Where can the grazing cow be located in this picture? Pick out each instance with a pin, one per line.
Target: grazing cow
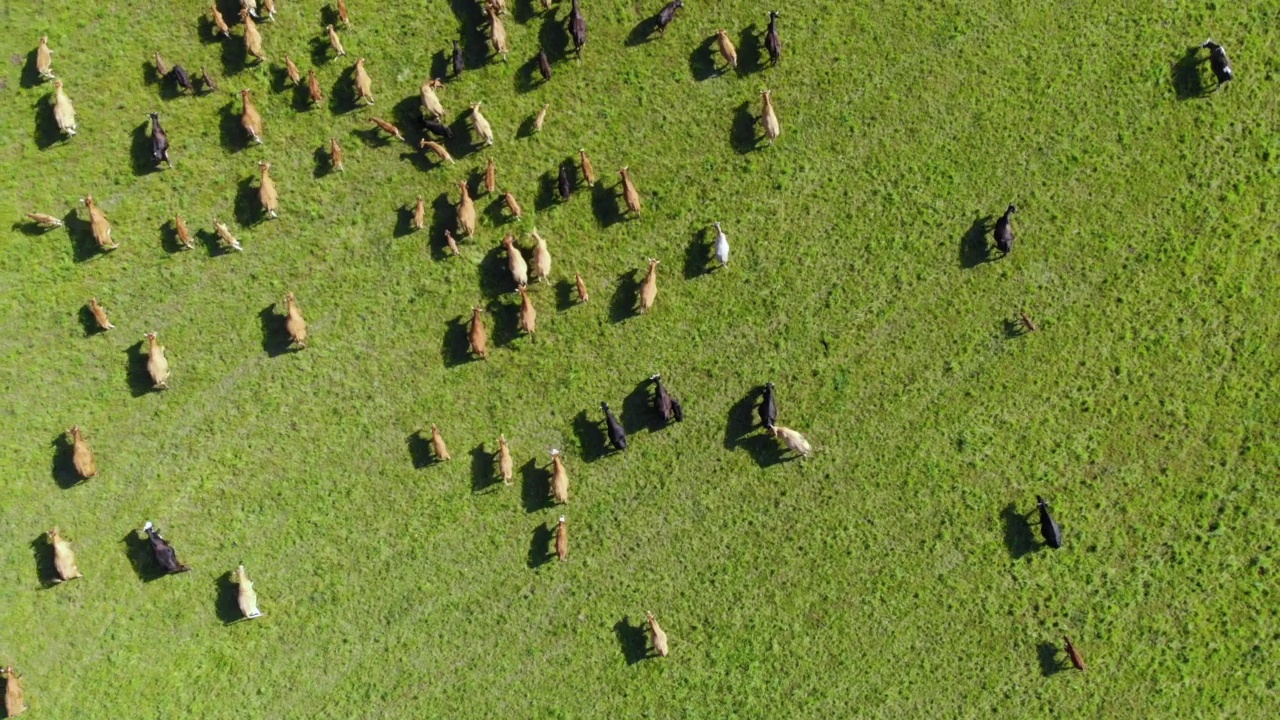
(722, 246)
(1077, 660)
(727, 50)
(44, 59)
(577, 28)
(544, 64)
(466, 212)
(439, 129)
(182, 78)
(313, 87)
(387, 128)
(209, 84)
(629, 192)
(559, 478)
(794, 440)
(582, 287)
(772, 42)
(99, 225)
(1219, 62)
(649, 290)
(458, 65)
(769, 118)
(665, 403)
(477, 339)
(335, 154)
(617, 435)
(184, 235)
(294, 323)
(546, 4)
(490, 177)
(219, 23)
(267, 190)
(451, 242)
(588, 172)
(291, 69)
(100, 315)
(499, 6)
(512, 205)
(159, 141)
(270, 7)
(497, 33)
(81, 456)
(246, 597)
(63, 112)
(45, 221)
(252, 38)
(249, 6)
(163, 552)
(419, 214)
(563, 182)
(250, 120)
(1004, 230)
(1048, 526)
(562, 540)
(334, 41)
(157, 365)
(655, 631)
(528, 316)
(342, 13)
(540, 118)
(768, 407)
(541, 257)
(1026, 323)
(431, 104)
(437, 444)
(224, 234)
(364, 86)
(162, 68)
(506, 467)
(14, 702)
(64, 560)
(667, 14)
(515, 262)
(483, 129)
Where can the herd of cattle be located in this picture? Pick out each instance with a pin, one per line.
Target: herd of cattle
(666, 405)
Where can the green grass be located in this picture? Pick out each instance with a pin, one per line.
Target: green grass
(881, 578)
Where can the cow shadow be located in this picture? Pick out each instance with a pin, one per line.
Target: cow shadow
(623, 303)
(1018, 537)
(506, 321)
(455, 350)
(697, 259)
(1188, 82)
(1047, 653)
(742, 136)
(741, 420)
(212, 243)
(232, 136)
(136, 374)
(227, 600)
(526, 76)
(548, 195)
(322, 162)
(535, 486)
(234, 56)
(320, 48)
(526, 129)
(638, 412)
(750, 57)
(404, 222)
(30, 75)
(46, 569)
(374, 137)
(441, 213)
(420, 450)
(63, 466)
(471, 18)
(440, 62)
(138, 550)
(564, 294)
(248, 210)
(553, 37)
(300, 98)
(407, 115)
(643, 32)
(765, 449)
(275, 332)
(540, 546)
(140, 150)
(342, 95)
(493, 275)
(329, 16)
(522, 10)
(702, 61)
(83, 246)
(974, 249)
(46, 133)
(1012, 329)
(632, 639)
(483, 477)
(591, 437)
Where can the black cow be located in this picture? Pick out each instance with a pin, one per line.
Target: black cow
(180, 76)
(544, 64)
(772, 42)
(768, 407)
(1004, 231)
(457, 59)
(1048, 528)
(577, 27)
(437, 128)
(667, 14)
(617, 435)
(1219, 62)
(565, 188)
(165, 557)
(159, 141)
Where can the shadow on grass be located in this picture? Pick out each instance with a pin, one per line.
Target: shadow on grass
(1047, 653)
(442, 213)
(1188, 82)
(404, 222)
(525, 76)
(138, 549)
(553, 36)
(643, 32)
(535, 486)
(625, 297)
(750, 59)
(1018, 538)
(493, 273)
(212, 243)
(702, 61)
(974, 249)
(275, 333)
(46, 132)
(565, 294)
(300, 97)
(231, 135)
(63, 467)
(1012, 329)
(638, 412)
(591, 439)
(227, 600)
(632, 639)
(319, 46)
(248, 209)
(740, 430)
(548, 195)
(540, 546)
(342, 96)
(420, 451)
(136, 374)
(482, 474)
(46, 570)
(697, 259)
(83, 246)
(234, 54)
(440, 64)
(323, 163)
(30, 75)
(522, 10)
(456, 348)
(506, 321)
(743, 134)
(140, 150)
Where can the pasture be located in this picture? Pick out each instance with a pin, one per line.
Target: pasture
(891, 575)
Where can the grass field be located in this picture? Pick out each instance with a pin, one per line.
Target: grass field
(888, 576)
